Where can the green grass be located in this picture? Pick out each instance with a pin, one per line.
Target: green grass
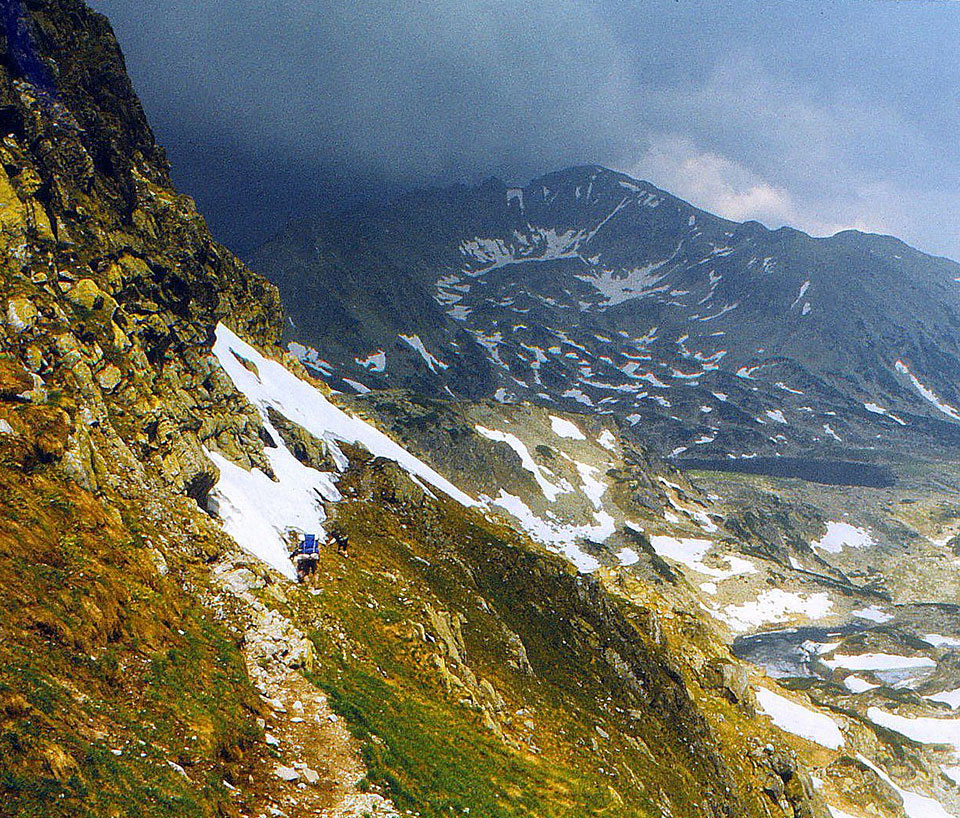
(99, 653)
(429, 748)
(438, 761)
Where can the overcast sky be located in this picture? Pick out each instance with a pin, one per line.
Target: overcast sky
(822, 115)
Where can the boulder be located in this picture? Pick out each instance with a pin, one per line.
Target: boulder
(286, 773)
(729, 678)
(21, 314)
(109, 377)
(87, 295)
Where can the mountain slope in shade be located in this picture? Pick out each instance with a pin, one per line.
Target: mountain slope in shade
(595, 292)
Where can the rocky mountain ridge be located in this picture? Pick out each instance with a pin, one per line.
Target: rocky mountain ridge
(591, 291)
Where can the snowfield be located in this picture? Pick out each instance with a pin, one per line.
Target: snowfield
(263, 515)
(259, 513)
(799, 720)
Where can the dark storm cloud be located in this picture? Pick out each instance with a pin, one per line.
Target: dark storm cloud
(822, 115)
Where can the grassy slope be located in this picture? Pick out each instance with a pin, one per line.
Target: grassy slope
(568, 743)
(100, 652)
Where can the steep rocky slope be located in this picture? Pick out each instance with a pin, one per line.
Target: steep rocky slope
(845, 595)
(158, 452)
(596, 292)
(115, 675)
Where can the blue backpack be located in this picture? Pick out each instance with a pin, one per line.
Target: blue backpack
(309, 544)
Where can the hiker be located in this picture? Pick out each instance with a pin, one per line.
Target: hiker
(340, 539)
(305, 559)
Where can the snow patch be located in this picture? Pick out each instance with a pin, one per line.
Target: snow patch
(873, 613)
(940, 641)
(557, 536)
(774, 606)
(876, 409)
(857, 685)
(799, 720)
(690, 552)
(803, 291)
(914, 804)
(356, 386)
(878, 661)
(923, 729)
(565, 428)
(840, 535)
(618, 286)
(951, 698)
(607, 440)
(550, 491)
(928, 394)
(835, 812)
(579, 396)
(414, 342)
(308, 356)
(953, 773)
(628, 556)
(375, 362)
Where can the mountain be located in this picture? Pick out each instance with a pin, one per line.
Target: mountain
(595, 292)
(533, 614)
(159, 454)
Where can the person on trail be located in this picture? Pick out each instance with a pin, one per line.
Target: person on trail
(305, 559)
(340, 539)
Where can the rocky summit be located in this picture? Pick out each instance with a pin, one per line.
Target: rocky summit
(520, 610)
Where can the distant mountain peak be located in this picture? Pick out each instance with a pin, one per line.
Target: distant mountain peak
(593, 291)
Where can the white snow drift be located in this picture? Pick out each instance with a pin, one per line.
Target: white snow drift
(799, 720)
(259, 512)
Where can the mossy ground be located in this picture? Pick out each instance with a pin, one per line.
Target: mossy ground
(109, 671)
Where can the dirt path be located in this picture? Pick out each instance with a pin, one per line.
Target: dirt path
(310, 764)
(317, 764)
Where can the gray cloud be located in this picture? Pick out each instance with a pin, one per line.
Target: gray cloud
(796, 112)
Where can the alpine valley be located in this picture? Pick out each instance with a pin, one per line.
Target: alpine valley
(538, 612)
